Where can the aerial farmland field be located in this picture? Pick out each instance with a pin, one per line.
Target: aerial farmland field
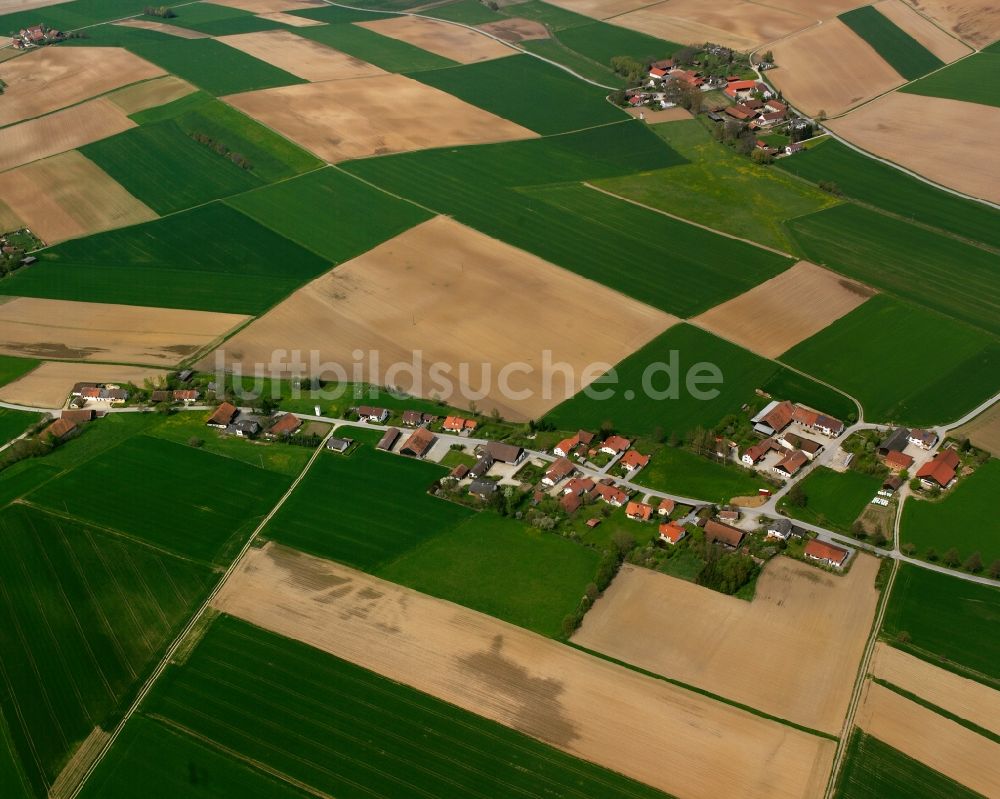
(178, 498)
(907, 56)
(82, 614)
(968, 80)
(392, 55)
(834, 499)
(13, 423)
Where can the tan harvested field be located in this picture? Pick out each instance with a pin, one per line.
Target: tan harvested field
(92, 331)
(61, 131)
(966, 698)
(983, 431)
(49, 385)
(818, 9)
(804, 628)
(446, 290)
(932, 739)
(949, 141)
(830, 68)
(301, 57)
(776, 315)
(601, 9)
(51, 78)
(446, 40)
(151, 93)
(8, 219)
(268, 6)
(290, 19)
(738, 24)
(939, 42)
(644, 728)
(663, 115)
(163, 27)
(975, 21)
(516, 29)
(68, 195)
(355, 118)
(10, 6)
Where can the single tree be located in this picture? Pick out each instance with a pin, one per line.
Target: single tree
(994, 570)
(951, 557)
(974, 563)
(931, 554)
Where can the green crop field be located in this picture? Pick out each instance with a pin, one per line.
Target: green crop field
(553, 17)
(742, 373)
(527, 91)
(271, 157)
(972, 79)
(468, 12)
(869, 181)
(833, 499)
(947, 621)
(340, 730)
(167, 169)
(13, 423)
(721, 189)
(208, 258)
(902, 362)
(341, 14)
(554, 50)
(904, 53)
(905, 259)
(960, 520)
(601, 42)
(501, 567)
(173, 496)
(154, 760)
(874, 770)
(82, 615)
(364, 509)
(679, 471)
(213, 66)
(217, 20)
(331, 213)
(70, 15)
(392, 55)
(12, 368)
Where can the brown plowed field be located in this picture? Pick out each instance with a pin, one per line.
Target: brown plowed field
(150, 94)
(935, 741)
(830, 68)
(516, 29)
(601, 9)
(804, 628)
(939, 42)
(92, 331)
(817, 9)
(51, 78)
(355, 118)
(662, 115)
(49, 385)
(983, 431)
(776, 315)
(64, 130)
(458, 297)
(301, 57)
(975, 21)
(290, 19)
(449, 41)
(163, 27)
(966, 698)
(68, 195)
(949, 141)
(670, 738)
(741, 25)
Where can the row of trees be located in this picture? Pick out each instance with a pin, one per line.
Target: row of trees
(221, 149)
(164, 12)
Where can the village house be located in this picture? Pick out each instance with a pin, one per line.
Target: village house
(160, 395)
(754, 454)
(898, 461)
(417, 418)
(570, 503)
(784, 529)
(284, 426)
(940, 470)
(615, 445)
(719, 533)
(484, 489)
(671, 533)
(388, 440)
(807, 445)
(419, 443)
(794, 147)
(459, 472)
(503, 453)
(223, 416)
(366, 413)
(609, 493)
(666, 507)
(925, 439)
(579, 486)
(826, 553)
(632, 460)
(244, 428)
(728, 515)
(340, 445)
(186, 395)
(558, 472)
(791, 464)
(481, 466)
(639, 511)
(745, 90)
(570, 445)
(813, 420)
(458, 424)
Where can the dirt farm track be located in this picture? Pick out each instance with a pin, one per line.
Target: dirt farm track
(644, 728)
(767, 653)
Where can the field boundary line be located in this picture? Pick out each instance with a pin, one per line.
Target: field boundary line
(192, 622)
(919, 700)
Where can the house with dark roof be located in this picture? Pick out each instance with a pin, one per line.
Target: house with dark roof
(896, 440)
(388, 440)
(484, 489)
(784, 529)
(419, 443)
(417, 418)
(503, 453)
(244, 428)
(368, 413)
(719, 533)
(340, 445)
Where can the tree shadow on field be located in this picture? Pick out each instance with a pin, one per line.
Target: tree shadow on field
(534, 701)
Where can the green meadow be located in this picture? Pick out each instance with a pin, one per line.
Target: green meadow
(881, 354)
(12, 368)
(947, 621)
(960, 520)
(13, 423)
(834, 499)
(468, 12)
(172, 496)
(83, 614)
(904, 53)
(678, 471)
(972, 80)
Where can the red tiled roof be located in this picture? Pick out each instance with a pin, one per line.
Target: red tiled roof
(941, 468)
(570, 502)
(617, 443)
(792, 462)
(672, 531)
(667, 506)
(821, 550)
(288, 423)
(898, 460)
(639, 510)
(60, 428)
(223, 414)
(579, 485)
(610, 493)
(780, 416)
(454, 423)
(560, 469)
(634, 460)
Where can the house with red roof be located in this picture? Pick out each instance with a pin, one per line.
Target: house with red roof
(791, 464)
(671, 533)
(633, 460)
(458, 424)
(666, 507)
(719, 533)
(639, 511)
(940, 470)
(579, 486)
(753, 454)
(826, 553)
(898, 461)
(285, 425)
(615, 445)
(611, 494)
(558, 471)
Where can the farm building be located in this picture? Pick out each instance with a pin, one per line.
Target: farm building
(459, 472)
(791, 464)
(284, 426)
(419, 443)
(340, 445)
(559, 471)
(571, 503)
(826, 553)
(898, 461)
(896, 440)
(244, 428)
(78, 415)
(60, 429)
(807, 445)
(940, 470)
(223, 416)
(388, 441)
(753, 454)
(671, 532)
(892, 483)
(503, 453)
(719, 533)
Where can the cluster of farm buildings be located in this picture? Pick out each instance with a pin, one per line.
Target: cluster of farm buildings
(36, 36)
